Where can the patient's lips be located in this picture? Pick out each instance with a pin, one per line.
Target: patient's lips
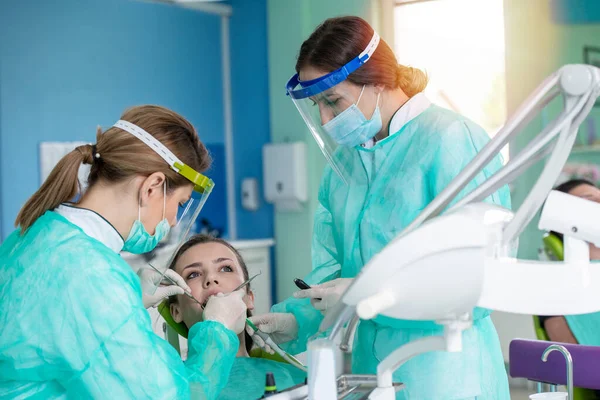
(211, 292)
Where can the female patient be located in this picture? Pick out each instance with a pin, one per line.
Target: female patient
(585, 328)
(211, 266)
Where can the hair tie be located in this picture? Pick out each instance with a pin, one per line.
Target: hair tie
(95, 153)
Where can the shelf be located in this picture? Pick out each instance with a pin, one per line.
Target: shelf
(585, 149)
(252, 243)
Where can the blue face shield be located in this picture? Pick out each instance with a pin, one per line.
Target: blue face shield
(329, 107)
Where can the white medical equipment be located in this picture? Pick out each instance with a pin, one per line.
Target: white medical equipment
(466, 257)
(284, 175)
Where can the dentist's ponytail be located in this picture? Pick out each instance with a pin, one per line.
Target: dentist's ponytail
(338, 40)
(61, 186)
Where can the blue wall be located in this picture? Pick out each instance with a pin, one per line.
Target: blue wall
(251, 122)
(68, 66)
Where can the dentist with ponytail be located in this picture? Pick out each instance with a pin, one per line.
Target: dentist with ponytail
(73, 313)
(390, 151)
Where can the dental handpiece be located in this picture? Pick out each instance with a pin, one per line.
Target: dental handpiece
(268, 341)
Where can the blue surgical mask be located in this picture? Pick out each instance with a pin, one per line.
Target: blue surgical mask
(139, 240)
(351, 128)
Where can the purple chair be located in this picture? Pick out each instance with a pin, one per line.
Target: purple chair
(526, 361)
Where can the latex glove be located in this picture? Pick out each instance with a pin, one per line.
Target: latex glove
(230, 310)
(281, 327)
(153, 295)
(324, 296)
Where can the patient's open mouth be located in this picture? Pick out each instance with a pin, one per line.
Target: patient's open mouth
(212, 292)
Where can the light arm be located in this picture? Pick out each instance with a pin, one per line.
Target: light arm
(578, 85)
(537, 99)
(462, 255)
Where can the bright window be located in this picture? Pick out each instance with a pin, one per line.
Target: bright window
(460, 44)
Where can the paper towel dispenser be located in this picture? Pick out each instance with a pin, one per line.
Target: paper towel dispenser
(285, 175)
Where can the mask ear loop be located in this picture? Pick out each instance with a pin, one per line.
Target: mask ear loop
(361, 93)
(360, 96)
(164, 198)
(140, 208)
(376, 104)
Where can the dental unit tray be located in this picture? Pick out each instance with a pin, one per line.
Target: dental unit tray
(348, 386)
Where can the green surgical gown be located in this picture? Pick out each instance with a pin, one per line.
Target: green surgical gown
(248, 377)
(73, 325)
(391, 183)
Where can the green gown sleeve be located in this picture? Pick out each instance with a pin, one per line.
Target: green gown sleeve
(326, 266)
(109, 340)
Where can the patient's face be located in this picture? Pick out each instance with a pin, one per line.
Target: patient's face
(208, 269)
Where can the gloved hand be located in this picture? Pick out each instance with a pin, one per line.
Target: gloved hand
(230, 310)
(153, 295)
(281, 327)
(324, 296)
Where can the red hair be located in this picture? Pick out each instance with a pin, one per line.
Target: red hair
(338, 40)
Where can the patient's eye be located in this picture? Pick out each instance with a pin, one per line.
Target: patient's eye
(193, 275)
(226, 268)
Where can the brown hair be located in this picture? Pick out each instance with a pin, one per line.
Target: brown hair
(338, 40)
(202, 239)
(118, 156)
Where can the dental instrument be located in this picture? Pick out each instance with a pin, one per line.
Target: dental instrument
(247, 281)
(268, 341)
(303, 286)
(188, 294)
(270, 386)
